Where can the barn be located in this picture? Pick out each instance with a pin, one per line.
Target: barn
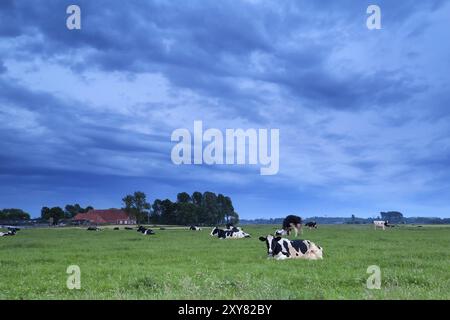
(109, 216)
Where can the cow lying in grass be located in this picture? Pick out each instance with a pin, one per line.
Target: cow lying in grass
(282, 248)
(145, 231)
(195, 228)
(9, 233)
(93, 229)
(235, 233)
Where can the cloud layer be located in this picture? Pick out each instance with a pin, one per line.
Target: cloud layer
(363, 115)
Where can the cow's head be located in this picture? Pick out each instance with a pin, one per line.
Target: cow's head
(141, 229)
(316, 251)
(273, 247)
(214, 231)
(280, 232)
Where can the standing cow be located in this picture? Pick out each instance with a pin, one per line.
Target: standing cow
(311, 225)
(292, 222)
(380, 224)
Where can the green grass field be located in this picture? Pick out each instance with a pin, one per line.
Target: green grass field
(182, 264)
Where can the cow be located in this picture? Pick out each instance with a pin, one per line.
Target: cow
(292, 222)
(116, 228)
(9, 233)
(93, 229)
(128, 228)
(282, 248)
(195, 228)
(145, 231)
(229, 234)
(380, 224)
(311, 225)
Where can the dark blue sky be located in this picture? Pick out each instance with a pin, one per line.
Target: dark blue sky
(364, 115)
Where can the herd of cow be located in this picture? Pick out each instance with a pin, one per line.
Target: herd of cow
(278, 247)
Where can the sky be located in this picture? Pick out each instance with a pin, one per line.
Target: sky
(364, 115)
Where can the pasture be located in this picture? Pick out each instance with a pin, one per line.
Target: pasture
(182, 264)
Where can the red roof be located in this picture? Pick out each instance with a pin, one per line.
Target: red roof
(103, 216)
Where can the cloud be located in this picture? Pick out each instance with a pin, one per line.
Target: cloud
(362, 114)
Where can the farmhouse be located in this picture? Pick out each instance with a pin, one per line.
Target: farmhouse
(110, 216)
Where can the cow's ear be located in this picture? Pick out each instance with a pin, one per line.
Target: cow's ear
(262, 239)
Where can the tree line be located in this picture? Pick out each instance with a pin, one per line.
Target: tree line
(13, 214)
(57, 213)
(199, 208)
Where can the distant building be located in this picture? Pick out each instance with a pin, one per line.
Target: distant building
(109, 216)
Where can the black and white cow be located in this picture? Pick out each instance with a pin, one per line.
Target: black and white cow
(292, 222)
(93, 229)
(229, 234)
(282, 248)
(116, 228)
(128, 228)
(311, 225)
(145, 231)
(195, 228)
(9, 233)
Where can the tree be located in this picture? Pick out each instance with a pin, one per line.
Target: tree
(221, 207)
(13, 214)
(234, 218)
(197, 198)
(45, 213)
(392, 216)
(155, 216)
(198, 209)
(72, 210)
(169, 213)
(136, 206)
(210, 214)
(53, 215)
(230, 215)
(186, 213)
(183, 197)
